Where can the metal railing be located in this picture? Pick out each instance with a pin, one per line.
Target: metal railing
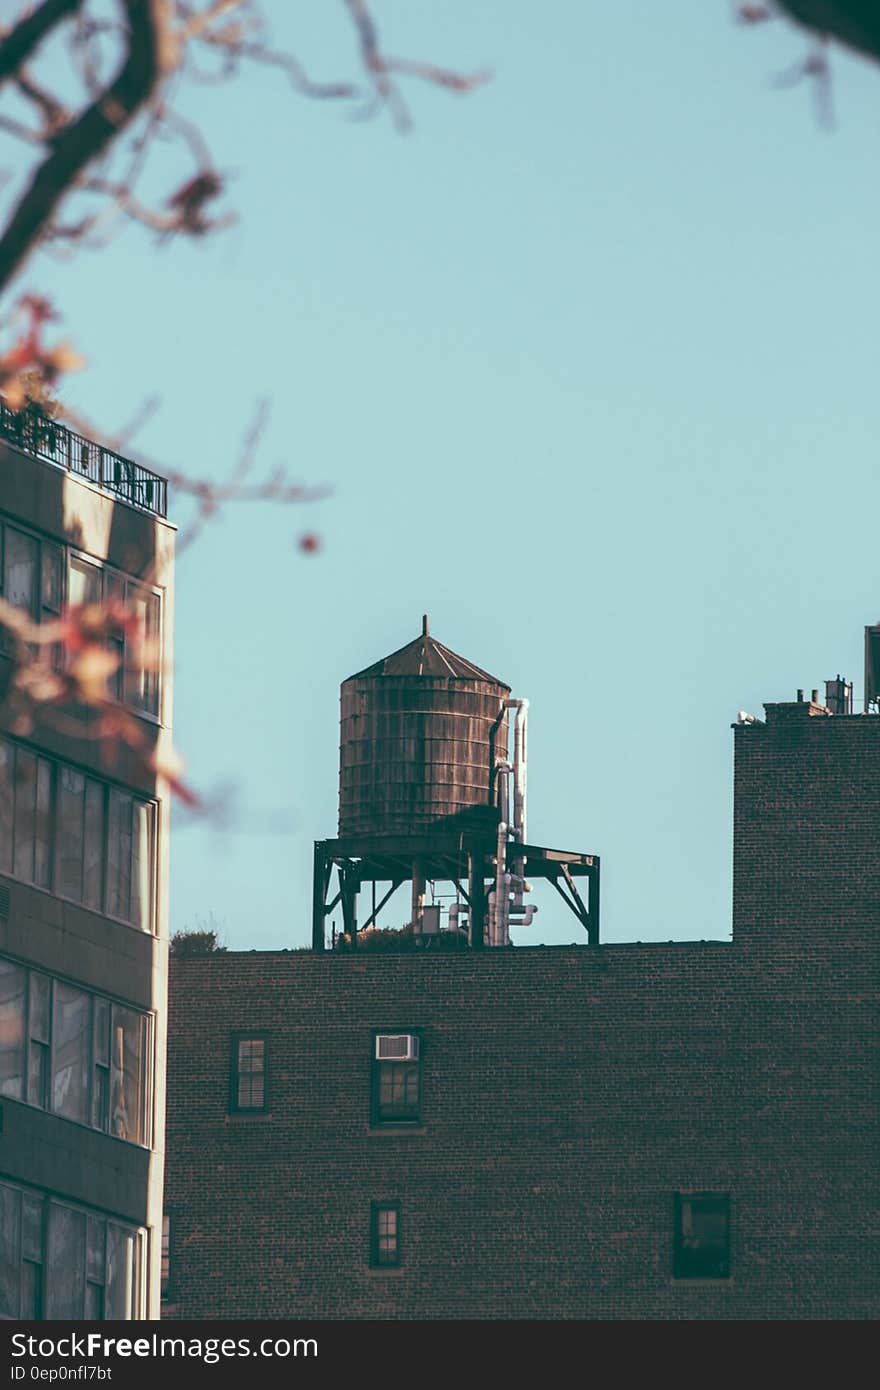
(47, 439)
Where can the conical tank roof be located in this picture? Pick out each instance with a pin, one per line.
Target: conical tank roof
(425, 656)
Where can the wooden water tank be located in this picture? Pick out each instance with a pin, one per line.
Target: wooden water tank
(419, 734)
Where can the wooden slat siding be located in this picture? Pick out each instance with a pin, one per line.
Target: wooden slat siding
(414, 749)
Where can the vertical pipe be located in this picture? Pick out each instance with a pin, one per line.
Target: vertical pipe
(498, 901)
(418, 896)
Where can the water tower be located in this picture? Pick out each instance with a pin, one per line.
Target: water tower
(430, 791)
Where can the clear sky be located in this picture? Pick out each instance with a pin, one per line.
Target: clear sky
(588, 359)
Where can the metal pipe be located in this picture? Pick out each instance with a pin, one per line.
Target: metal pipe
(499, 897)
(457, 921)
(520, 759)
(520, 763)
(503, 773)
(418, 896)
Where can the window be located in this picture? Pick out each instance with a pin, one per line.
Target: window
(396, 1085)
(25, 821)
(71, 1017)
(39, 1050)
(702, 1235)
(89, 842)
(248, 1072)
(166, 1256)
(136, 678)
(12, 1013)
(128, 1075)
(31, 576)
(385, 1235)
(75, 1053)
(94, 1268)
(21, 557)
(142, 668)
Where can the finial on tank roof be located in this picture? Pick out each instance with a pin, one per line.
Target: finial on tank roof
(424, 625)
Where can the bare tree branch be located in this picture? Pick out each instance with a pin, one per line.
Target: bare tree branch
(54, 114)
(19, 43)
(84, 139)
(855, 23)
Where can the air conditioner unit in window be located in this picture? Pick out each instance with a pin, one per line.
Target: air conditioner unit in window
(397, 1047)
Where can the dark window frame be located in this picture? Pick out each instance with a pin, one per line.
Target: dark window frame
(696, 1257)
(376, 1233)
(240, 1036)
(410, 1116)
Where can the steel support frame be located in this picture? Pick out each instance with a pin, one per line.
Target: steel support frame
(392, 861)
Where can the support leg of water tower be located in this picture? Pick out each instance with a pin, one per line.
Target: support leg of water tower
(594, 905)
(573, 903)
(349, 884)
(477, 893)
(371, 920)
(578, 903)
(320, 884)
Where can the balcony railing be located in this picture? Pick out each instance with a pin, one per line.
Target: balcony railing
(46, 439)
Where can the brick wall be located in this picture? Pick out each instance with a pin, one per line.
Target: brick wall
(568, 1093)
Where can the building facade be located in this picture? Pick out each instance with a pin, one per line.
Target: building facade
(83, 894)
(679, 1131)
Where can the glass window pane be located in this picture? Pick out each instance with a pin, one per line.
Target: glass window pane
(84, 583)
(120, 1286)
(119, 855)
(385, 1236)
(93, 870)
(102, 1031)
(65, 1293)
(39, 1000)
(398, 1091)
(143, 651)
(127, 1093)
(38, 1044)
(38, 1074)
(101, 1056)
(31, 1228)
(25, 813)
(70, 1078)
(52, 577)
(43, 825)
(142, 865)
(12, 997)
(94, 1303)
(95, 1249)
(100, 1097)
(702, 1244)
(7, 759)
(71, 787)
(31, 1291)
(166, 1253)
(10, 1236)
(20, 578)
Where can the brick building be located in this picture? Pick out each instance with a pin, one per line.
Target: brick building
(83, 897)
(665, 1131)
